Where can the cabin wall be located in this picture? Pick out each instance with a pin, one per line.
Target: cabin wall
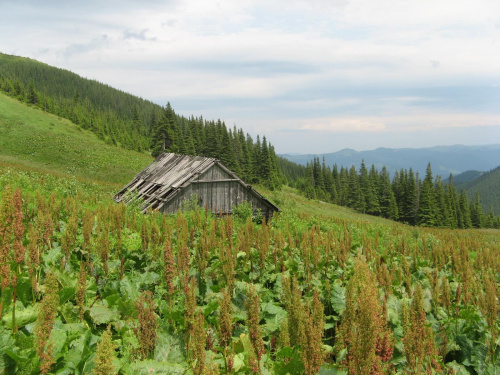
(218, 196)
(214, 173)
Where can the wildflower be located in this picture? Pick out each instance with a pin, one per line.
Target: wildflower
(146, 330)
(253, 319)
(105, 353)
(45, 322)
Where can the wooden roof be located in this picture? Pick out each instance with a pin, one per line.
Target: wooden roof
(169, 173)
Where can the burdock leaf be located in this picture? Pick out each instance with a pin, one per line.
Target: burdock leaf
(338, 298)
(101, 314)
(23, 317)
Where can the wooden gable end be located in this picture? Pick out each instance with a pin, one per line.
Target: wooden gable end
(220, 190)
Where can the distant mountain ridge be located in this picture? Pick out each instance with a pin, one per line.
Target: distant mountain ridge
(444, 159)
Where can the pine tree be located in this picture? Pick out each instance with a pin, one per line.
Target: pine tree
(164, 133)
(364, 187)
(442, 211)
(256, 155)
(426, 214)
(343, 197)
(136, 119)
(476, 212)
(264, 163)
(329, 183)
(372, 193)
(451, 196)
(388, 206)
(464, 211)
(309, 190)
(318, 179)
(32, 95)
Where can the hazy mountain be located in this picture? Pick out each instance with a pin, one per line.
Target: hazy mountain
(444, 159)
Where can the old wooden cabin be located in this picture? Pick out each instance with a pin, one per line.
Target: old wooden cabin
(172, 179)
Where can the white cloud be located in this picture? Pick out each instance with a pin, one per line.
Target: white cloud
(296, 56)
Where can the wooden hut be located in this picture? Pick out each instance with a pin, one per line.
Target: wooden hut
(172, 179)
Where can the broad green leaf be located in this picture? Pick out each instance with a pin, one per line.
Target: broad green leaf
(151, 367)
(23, 317)
(101, 314)
(66, 294)
(338, 297)
(80, 351)
(169, 347)
(290, 365)
(331, 371)
(238, 362)
(75, 330)
(24, 290)
(58, 338)
(52, 258)
(70, 313)
(148, 278)
(341, 355)
(457, 368)
(7, 342)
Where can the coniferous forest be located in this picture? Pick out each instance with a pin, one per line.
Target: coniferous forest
(405, 197)
(127, 121)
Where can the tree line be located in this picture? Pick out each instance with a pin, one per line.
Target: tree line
(254, 161)
(133, 123)
(406, 198)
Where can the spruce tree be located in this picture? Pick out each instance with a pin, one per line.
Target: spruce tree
(476, 212)
(426, 214)
(164, 132)
(364, 187)
(452, 202)
(372, 193)
(388, 205)
(32, 95)
(329, 183)
(343, 192)
(356, 199)
(464, 211)
(309, 189)
(442, 211)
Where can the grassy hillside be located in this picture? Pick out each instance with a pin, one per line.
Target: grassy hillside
(296, 292)
(134, 123)
(34, 138)
(41, 141)
(189, 293)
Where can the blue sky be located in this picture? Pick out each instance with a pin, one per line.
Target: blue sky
(313, 76)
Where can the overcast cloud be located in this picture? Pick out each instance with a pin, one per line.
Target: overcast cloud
(313, 76)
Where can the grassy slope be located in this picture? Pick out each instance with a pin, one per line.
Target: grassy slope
(36, 139)
(41, 141)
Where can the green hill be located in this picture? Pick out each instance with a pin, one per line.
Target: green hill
(122, 119)
(465, 177)
(115, 116)
(40, 141)
(116, 291)
(488, 187)
(83, 269)
(34, 138)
